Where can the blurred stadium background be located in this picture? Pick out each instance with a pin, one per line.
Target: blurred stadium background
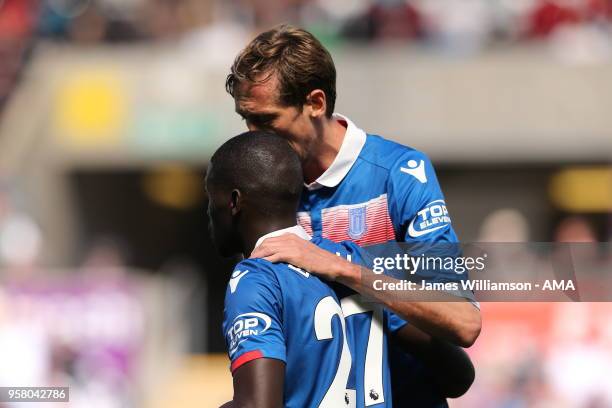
(109, 110)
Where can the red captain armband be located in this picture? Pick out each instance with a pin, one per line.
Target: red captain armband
(245, 358)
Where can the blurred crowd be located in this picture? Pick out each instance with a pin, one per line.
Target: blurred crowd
(577, 30)
(99, 326)
(541, 355)
(419, 20)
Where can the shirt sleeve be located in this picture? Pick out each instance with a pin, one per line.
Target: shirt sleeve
(252, 318)
(416, 203)
(421, 219)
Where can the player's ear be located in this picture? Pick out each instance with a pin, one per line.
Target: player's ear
(317, 101)
(235, 201)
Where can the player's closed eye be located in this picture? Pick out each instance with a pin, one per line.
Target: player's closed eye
(261, 120)
(261, 123)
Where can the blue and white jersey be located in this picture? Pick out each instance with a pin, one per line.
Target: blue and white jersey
(368, 330)
(281, 312)
(374, 192)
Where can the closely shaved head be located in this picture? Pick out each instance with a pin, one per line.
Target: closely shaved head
(261, 165)
(255, 177)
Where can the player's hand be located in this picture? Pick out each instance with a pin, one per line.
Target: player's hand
(291, 249)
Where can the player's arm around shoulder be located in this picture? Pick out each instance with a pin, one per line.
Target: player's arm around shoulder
(291, 249)
(253, 331)
(419, 215)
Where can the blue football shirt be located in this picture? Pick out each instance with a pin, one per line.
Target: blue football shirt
(275, 311)
(279, 311)
(368, 327)
(378, 191)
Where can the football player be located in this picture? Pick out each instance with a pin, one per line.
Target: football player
(293, 340)
(359, 187)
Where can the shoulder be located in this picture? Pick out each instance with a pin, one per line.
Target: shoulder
(324, 243)
(346, 249)
(388, 154)
(251, 276)
(407, 169)
(260, 268)
(341, 248)
(256, 264)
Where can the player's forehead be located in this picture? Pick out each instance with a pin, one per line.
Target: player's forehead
(257, 97)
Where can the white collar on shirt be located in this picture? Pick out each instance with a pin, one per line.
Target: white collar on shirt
(353, 142)
(296, 229)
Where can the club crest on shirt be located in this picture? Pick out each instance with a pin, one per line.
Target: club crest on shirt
(357, 226)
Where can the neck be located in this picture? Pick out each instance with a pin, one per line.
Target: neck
(325, 149)
(262, 226)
